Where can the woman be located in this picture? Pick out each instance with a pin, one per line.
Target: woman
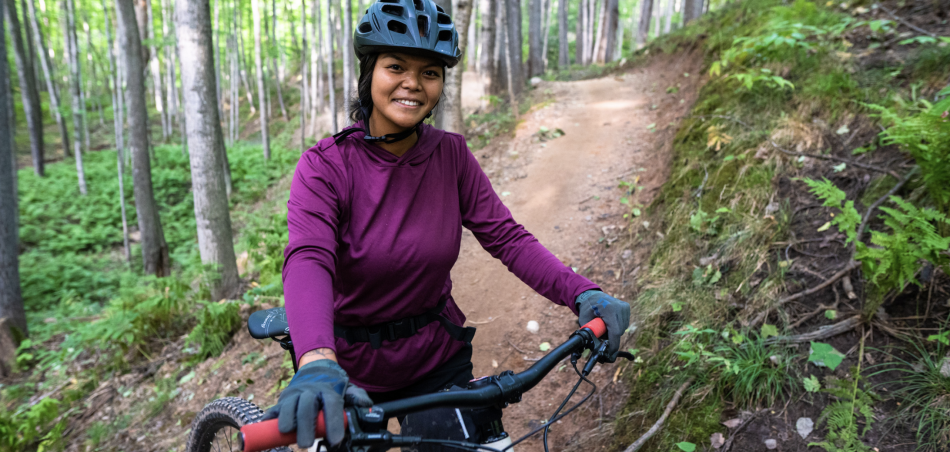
(375, 221)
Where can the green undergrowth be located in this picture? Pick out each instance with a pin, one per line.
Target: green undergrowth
(780, 74)
(92, 316)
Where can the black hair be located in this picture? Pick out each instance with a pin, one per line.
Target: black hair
(362, 107)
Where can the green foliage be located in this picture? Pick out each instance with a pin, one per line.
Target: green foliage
(216, 323)
(754, 372)
(825, 354)
(707, 276)
(848, 218)
(265, 238)
(26, 425)
(841, 415)
(913, 239)
(920, 383)
(811, 384)
(703, 223)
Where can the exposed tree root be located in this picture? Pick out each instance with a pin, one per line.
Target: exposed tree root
(841, 273)
(821, 333)
(839, 159)
(659, 423)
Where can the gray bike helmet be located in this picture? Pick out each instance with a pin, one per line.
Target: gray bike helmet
(411, 26)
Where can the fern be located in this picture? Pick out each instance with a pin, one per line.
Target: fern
(913, 240)
(21, 428)
(216, 323)
(848, 218)
(841, 416)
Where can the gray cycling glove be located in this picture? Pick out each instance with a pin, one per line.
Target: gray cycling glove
(318, 385)
(615, 313)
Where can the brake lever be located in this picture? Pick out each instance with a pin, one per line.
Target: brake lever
(595, 358)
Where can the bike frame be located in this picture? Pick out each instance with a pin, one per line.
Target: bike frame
(366, 427)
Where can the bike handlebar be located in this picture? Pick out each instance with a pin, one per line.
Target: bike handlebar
(507, 387)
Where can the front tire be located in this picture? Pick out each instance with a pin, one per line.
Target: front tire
(217, 425)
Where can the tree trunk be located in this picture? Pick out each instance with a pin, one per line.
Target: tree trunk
(535, 41)
(513, 15)
(262, 105)
(643, 28)
(11, 299)
(347, 50)
(563, 54)
(205, 143)
(304, 88)
(171, 106)
(331, 88)
(486, 60)
(216, 42)
(154, 249)
(276, 75)
(548, 6)
(580, 33)
(692, 9)
(471, 52)
(155, 69)
(499, 76)
(242, 62)
(600, 38)
(114, 78)
(28, 92)
(141, 19)
(30, 48)
(618, 41)
(48, 75)
(507, 18)
(668, 15)
(591, 30)
(611, 21)
(453, 118)
(316, 69)
(74, 79)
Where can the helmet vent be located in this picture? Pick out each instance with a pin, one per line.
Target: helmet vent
(444, 19)
(393, 9)
(419, 5)
(423, 25)
(445, 35)
(439, 9)
(389, 1)
(365, 27)
(397, 27)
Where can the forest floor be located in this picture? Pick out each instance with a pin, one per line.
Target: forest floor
(564, 190)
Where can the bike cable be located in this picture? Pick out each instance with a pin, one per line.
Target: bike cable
(460, 445)
(557, 418)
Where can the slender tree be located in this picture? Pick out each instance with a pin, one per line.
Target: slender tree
(171, 98)
(513, 19)
(498, 84)
(471, 46)
(580, 34)
(28, 93)
(692, 9)
(316, 69)
(546, 32)
(242, 52)
(609, 38)
(154, 67)
(11, 299)
(643, 28)
(599, 36)
(563, 55)
(304, 88)
(275, 72)
(668, 16)
(535, 41)
(75, 84)
(331, 87)
(154, 248)
(51, 90)
(507, 18)
(452, 113)
(346, 19)
(114, 77)
(205, 143)
(262, 103)
(486, 60)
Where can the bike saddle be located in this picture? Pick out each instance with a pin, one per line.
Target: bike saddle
(269, 323)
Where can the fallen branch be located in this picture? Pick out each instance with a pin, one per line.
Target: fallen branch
(659, 423)
(515, 346)
(876, 204)
(844, 271)
(821, 333)
(838, 159)
(905, 22)
(728, 445)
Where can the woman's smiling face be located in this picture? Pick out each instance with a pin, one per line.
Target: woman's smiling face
(405, 88)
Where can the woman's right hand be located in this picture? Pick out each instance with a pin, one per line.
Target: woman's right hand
(318, 385)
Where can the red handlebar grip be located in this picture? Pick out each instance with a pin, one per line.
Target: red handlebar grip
(597, 327)
(265, 435)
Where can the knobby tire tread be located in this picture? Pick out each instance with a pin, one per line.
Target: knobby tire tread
(228, 411)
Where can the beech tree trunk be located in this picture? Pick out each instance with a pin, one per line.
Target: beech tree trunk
(205, 143)
(43, 55)
(75, 84)
(599, 35)
(499, 78)
(276, 75)
(154, 249)
(304, 88)
(242, 62)
(580, 33)
(513, 15)
(11, 299)
(114, 77)
(155, 69)
(316, 69)
(28, 93)
(611, 21)
(486, 60)
(349, 78)
(692, 9)
(171, 104)
(563, 55)
(471, 46)
(643, 28)
(507, 18)
(258, 63)
(331, 88)
(453, 118)
(548, 6)
(535, 41)
(668, 15)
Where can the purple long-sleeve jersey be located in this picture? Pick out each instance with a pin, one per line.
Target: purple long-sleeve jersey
(373, 238)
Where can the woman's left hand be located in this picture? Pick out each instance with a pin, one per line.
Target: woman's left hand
(615, 314)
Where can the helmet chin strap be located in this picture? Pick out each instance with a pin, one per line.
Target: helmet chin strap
(387, 138)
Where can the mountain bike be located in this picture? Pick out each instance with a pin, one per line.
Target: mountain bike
(233, 424)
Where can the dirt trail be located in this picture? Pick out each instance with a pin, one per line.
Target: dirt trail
(565, 191)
